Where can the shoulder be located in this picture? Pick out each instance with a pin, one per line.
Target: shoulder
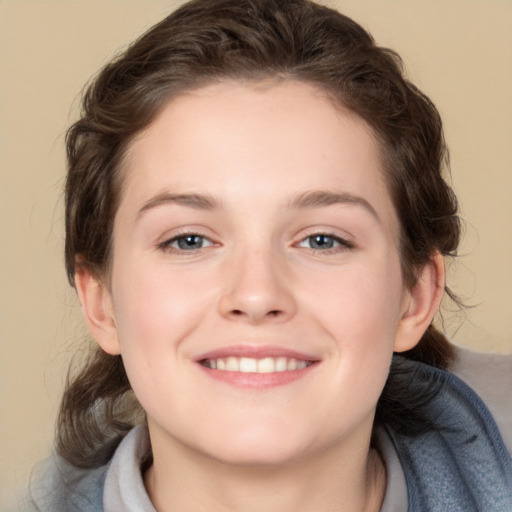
(57, 486)
(490, 376)
(459, 461)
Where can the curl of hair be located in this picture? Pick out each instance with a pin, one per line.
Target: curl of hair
(248, 40)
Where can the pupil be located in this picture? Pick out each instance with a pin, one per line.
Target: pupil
(322, 241)
(190, 241)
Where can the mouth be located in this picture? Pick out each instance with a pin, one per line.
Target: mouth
(256, 365)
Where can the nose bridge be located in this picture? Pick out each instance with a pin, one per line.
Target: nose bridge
(257, 287)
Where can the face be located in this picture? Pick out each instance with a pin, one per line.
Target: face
(256, 295)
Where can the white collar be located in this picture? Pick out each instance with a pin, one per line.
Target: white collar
(124, 489)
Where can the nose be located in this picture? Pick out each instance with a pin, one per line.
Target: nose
(258, 289)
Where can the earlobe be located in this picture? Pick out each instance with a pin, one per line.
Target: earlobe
(98, 310)
(421, 304)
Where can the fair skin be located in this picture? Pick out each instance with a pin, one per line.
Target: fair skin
(255, 232)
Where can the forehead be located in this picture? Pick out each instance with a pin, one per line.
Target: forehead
(232, 137)
(258, 109)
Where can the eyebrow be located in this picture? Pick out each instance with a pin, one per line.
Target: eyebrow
(321, 198)
(196, 201)
(310, 199)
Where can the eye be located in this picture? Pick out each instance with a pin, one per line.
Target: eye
(324, 242)
(187, 242)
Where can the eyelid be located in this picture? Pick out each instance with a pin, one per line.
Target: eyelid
(344, 242)
(166, 243)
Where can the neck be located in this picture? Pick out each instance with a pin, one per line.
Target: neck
(349, 482)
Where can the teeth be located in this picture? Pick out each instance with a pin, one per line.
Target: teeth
(301, 365)
(232, 364)
(281, 364)
(266, 365)
(248, 365)
(251, 365)
(292, 365)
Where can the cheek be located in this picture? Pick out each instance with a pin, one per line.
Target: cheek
(360, 303)
(157, 307)
(359, 308)
(156, 312)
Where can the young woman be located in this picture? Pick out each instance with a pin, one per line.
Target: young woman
(256, 226)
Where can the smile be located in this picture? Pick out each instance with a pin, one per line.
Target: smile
(256, 366)
(253, 365)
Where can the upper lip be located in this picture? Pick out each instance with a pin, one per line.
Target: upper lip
(255, 352)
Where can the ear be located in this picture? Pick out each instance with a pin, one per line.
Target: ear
(420, 304)
(98, 310)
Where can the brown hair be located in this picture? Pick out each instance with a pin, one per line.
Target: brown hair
(204, 41)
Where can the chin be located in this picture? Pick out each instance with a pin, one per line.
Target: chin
(258, 456)
(257, 448)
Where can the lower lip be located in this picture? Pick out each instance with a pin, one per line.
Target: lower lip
(257, 380)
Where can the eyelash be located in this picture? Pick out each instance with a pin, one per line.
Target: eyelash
(167, 245)
(338, 243)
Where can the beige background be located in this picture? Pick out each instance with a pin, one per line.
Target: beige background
(459, 52)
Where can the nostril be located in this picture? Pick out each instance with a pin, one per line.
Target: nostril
(272, 313)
